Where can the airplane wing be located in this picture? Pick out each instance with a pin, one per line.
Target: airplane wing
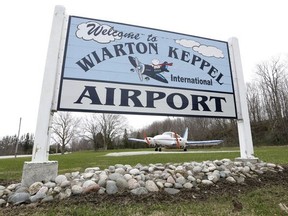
(204, 143)
(137, 140)
(156, 76)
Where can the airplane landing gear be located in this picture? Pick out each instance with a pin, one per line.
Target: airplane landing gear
(185, 149)
(158, 149)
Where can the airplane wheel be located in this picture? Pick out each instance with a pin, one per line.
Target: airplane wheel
(185, 149)
(156, 149)
(160, 149)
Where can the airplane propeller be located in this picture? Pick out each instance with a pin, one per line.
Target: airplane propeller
(177, 141)
(146, 138)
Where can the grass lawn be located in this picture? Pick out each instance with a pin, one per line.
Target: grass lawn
(11, 169)
(256, 200)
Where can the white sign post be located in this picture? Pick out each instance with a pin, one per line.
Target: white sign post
(243, 121)
(40, 168)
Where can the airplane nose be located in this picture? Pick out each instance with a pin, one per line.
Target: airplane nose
(152, 141)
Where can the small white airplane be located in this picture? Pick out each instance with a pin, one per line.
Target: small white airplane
(172, 139)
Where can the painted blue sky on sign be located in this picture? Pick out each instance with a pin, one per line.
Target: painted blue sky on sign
(100, 50)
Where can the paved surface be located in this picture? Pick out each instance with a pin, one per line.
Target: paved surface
(116, 154)
(13, 156)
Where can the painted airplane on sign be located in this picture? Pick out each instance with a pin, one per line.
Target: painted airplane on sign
(172, 139)
(150, 71)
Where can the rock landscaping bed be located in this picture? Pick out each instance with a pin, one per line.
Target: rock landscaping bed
(192, 180)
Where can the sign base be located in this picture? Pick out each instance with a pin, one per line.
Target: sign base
(39, 171)
(251, 160)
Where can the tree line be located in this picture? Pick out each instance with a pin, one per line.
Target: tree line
(25, 144)
(267, 99)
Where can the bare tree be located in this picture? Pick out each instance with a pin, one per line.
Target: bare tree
(272, 77)
(272, 81)
(92, 130)
(254, 102)
(64, 128)
(111, 125)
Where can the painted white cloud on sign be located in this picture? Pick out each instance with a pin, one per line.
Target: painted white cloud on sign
(187, 43)
(97, 32)
(204, 50)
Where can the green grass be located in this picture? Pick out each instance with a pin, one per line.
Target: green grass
(11, 169)
(263, 201)
(257, 201)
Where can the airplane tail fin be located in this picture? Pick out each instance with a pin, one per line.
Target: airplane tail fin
(185, 136)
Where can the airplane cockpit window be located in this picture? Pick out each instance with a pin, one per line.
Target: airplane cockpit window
(170, 134)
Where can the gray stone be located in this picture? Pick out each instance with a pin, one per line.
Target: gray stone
(197, 169)
(119, 166)
(171, 191)
(57, 189)
(207, 182)
(65, 184)
(88, 183)
(271, 165)
(92, 169)
(168, 185)
(35, 187)
(120, 170)
(2, 202)
(160, 184)
(178, 185)
(134, 172)
(91, 188)
(191, 178)
(213, 177)
(88, 175)
(231, 179)
(111, 187)
(112, 169)
(60, 178)
(75, 174)
(139, 191)
(102, 182)
(39, 195)
(48, 198)
(240, 179)
(18, 198)
(76, 189)
(20, 189)
(12, 186)
(128, 177)
(50, 184)
(115, 176)
(188, 185)
(181, 180)
(151, 186)
(171, 180)
(133, 183)
(122, 184)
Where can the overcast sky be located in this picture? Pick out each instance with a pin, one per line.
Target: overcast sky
(259, 25)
